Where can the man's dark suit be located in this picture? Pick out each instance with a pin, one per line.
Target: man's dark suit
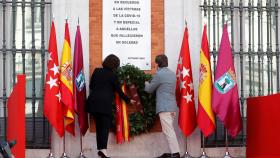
(103, 85)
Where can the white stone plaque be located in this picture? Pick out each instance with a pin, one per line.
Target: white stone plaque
(127, 31)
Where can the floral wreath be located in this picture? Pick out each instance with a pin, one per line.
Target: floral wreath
(140, 121)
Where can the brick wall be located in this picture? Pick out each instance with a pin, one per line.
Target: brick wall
(95, 36)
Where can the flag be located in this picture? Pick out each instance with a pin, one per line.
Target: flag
(122, 121)
(66, 83)
(16, 117)
(126, 129)
(119, 119)
(225, 100)
(184, 89)
(263, 126)
(205, 116)
(80, 84)
(52, 106)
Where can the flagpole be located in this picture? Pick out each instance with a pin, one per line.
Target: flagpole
(227, 155)
(50, 154)
(81, 135)
(187, 155)
(81, 145)
(78, 21)
(64, 155)
(203, 155)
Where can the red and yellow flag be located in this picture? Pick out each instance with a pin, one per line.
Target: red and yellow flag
(126, 128)
(205, 116)
(66, 83)
(119, 119)
(122, 121)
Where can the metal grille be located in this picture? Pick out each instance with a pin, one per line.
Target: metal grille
(253, 28)
(22, 50)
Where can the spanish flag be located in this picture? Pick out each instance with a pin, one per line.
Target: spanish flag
(126, 125)
(119, 119)
(66, 83)
(205, 116)
(122, 121)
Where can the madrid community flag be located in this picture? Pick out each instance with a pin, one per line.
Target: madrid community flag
(66, 83)
(225, 100)
(80, 84)
(205, 116)
(52, 106)
(184, 89)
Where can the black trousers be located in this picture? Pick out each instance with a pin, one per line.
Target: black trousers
(103, 123)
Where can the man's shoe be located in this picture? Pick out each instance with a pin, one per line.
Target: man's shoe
(175, 155)
(165, 155)
(102, 155)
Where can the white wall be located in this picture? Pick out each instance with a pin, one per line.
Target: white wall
(151, 144)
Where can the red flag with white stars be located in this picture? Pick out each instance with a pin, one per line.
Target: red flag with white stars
(184, 89)
(52, 105)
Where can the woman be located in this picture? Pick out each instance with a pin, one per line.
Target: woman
(164, 83)
(103, 85)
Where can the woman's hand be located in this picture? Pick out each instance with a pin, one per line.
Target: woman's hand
(133, 102)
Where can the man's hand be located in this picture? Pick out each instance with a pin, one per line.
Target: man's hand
(147, 82)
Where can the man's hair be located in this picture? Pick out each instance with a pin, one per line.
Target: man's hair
(111, 62)
(161, 60)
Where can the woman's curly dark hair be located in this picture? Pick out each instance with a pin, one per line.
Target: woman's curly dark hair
(111, 62)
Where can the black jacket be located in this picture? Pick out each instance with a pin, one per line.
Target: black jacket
(103, 85)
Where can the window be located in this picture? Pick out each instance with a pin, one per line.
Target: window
(253, 28)
(24, 31)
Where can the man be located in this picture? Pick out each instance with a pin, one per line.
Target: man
(164, 83)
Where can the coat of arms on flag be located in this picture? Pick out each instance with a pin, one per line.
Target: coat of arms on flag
(66, 71)
(225, 82)
(202, 73)
(80, 81)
